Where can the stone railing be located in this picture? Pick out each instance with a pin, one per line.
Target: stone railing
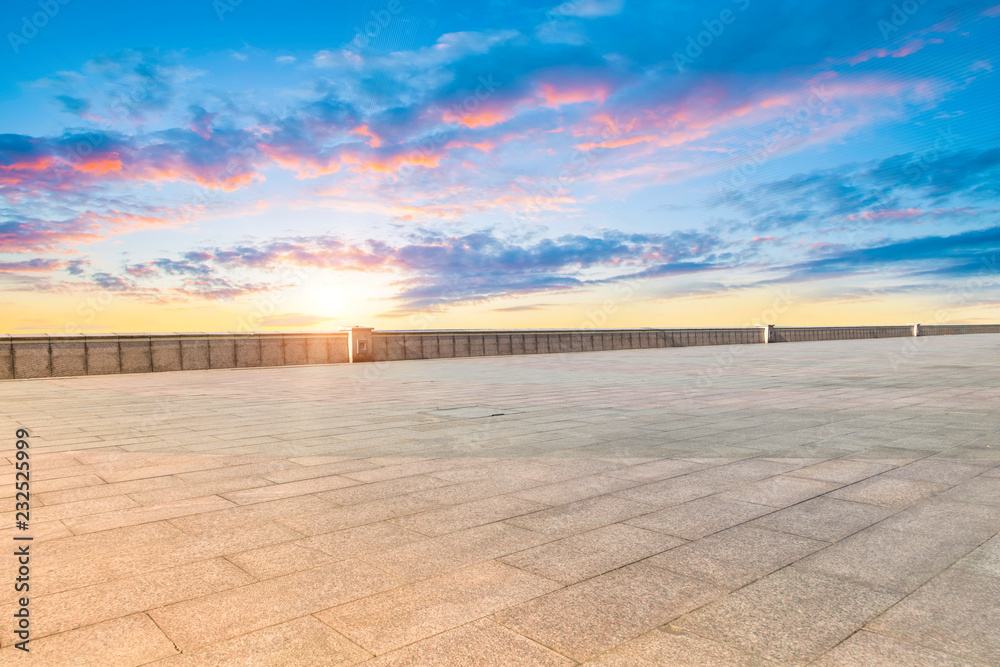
(100, 354)
(952, 329)
(802, 334)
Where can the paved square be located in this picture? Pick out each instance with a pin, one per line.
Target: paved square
(833, 503)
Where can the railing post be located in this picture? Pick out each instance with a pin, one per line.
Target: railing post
(359, 343)
(916, 330)
(767, 332)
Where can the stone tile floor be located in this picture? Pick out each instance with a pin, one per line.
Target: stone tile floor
(830, 503)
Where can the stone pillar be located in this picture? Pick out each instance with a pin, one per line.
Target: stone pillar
(767, 332)
(916, 330)
(359, 343)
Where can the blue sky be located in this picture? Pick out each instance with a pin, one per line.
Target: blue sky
(220, 166)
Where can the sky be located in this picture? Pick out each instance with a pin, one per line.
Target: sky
(235, 165)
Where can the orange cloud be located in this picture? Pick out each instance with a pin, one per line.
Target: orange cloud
(30, 163)
(534, 203)
(888, 214)
(102, 165)
(53, 171)
(682, 137)
(554, 97)
(303, 166)
(393, 163)
(228, 183)
(374, 140)
(439, 211)
(616, 143)
(907, 49)
(485, 146)
(474, 119)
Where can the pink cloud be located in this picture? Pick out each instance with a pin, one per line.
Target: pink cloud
(907, 49)
(437, 211)
(486, 146)
(45, 236)
(373, 140)
(888, 214)
(304, 166)
(478, 118)
(35, 165)
(554, 97)
(141, 271)
(544, 95)
(63, 236)
(912, 213)
(393, 162)
(616, 143)
(37, 265)
(201, 124)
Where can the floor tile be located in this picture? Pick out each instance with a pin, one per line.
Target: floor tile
(956, 613)
(791, 617)
(390, 620)
(589, 554)
(632, 600)
(482, 643)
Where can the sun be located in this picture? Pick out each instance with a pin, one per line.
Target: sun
(328, 300)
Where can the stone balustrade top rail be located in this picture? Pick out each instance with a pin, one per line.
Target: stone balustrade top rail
(60, 355)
